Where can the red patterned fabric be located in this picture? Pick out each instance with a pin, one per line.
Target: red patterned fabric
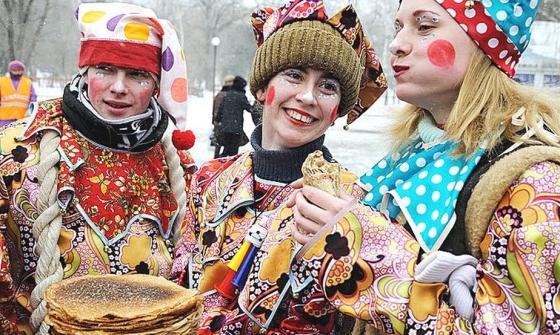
(117, 210)
(116, 189)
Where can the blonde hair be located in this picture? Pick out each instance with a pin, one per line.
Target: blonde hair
(487, 103)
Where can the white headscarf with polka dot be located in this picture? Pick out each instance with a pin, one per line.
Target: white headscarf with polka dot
(131, 36)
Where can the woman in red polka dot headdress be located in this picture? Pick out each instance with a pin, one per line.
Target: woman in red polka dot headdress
(95, 181)
(473, 181)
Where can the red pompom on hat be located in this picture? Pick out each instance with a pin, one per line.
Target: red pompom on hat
(183, 139)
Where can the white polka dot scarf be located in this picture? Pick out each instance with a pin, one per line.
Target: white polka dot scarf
(422, 181)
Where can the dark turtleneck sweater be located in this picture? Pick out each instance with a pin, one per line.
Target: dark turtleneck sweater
(283, 166)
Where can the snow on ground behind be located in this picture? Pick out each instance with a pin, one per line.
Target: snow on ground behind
(356, 149)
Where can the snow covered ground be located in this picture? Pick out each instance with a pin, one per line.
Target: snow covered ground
(356, 149)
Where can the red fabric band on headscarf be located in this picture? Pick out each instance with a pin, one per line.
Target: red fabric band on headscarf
(137, 56)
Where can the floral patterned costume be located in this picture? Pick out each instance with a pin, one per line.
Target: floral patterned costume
(280, 295)
(118, 209)
(364, 267)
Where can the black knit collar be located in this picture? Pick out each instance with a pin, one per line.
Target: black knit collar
(282, 165)
(99, 132)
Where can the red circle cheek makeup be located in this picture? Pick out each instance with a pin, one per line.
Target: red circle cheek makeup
(334, 113)
(271, 93)
(441, 53)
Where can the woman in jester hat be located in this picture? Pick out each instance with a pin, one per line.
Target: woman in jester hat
(237, 247)
(466, 210)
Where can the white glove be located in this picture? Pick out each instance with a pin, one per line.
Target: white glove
(458, 271)
(461, 290)
(437, 266)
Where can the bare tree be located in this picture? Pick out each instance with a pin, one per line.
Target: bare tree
(202, 20)
(550, 11)
(23, 21)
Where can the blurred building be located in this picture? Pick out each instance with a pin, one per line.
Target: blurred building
(540, 63)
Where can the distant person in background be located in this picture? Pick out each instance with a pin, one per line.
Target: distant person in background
(94, 183)
(230, 117)
(16, 93)
(214, 138)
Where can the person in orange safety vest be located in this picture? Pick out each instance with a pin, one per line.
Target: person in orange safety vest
(16, 93)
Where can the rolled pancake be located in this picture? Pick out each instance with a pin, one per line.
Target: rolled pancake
(319, 173)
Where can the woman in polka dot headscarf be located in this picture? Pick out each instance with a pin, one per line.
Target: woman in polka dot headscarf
(474, 179)
(95, 182)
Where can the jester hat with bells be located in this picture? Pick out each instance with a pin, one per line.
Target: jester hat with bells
(299, 34)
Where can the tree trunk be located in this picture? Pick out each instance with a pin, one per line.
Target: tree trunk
(38, 29)
(23, 21)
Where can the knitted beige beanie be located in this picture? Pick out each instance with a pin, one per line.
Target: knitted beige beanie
(314, 44)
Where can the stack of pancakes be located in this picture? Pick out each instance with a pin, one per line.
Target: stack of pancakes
(126, 304)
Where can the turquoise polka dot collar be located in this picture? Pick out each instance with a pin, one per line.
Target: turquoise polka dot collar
(422, 181)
